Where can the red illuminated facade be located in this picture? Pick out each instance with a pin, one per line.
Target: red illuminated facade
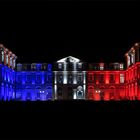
(114, 81)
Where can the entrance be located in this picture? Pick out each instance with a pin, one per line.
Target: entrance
(70, 93)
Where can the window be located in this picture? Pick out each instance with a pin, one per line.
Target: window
(121, 66)
(80, 65)
(49, 78)
(101, 66)
(90, 78)
(19, 67)
(70, 79)
(121, 78)
(116, 66)
(38, 78)
(38, 67)
(33, 66)
(95, 77)
(80, 77)
(60, 66)
(111, 80)
(19, 78)
(28, 78)
(49, 67)
(60, 78)
(101, 78)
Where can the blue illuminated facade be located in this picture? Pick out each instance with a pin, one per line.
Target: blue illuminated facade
(24, 81)
(34, 82)
(7, 83)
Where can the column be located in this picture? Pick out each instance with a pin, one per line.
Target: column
(84, 83)
(10, 61)
(42, 73)
(13, 62)
(84, 77)
(65, 77)
(9, 55)
(4, 57)
(136, 94)
(107, 78)
(0, 55)
(117, 75)
(74, 77)
(55, 91)
(74, 66)
(138, 88)
(65, 66)
(128, 60)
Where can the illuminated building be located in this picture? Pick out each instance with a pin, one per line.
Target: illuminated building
(34, 82)
(23, 81)
(7, 74)
(69, 79)
(106, 82)
(133, 73)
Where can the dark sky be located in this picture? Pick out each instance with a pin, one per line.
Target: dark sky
(47, 31)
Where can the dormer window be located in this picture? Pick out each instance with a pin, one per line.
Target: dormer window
(121, 66)
(80, 65)
(101, 66)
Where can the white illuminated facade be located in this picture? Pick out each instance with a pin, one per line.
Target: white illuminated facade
(69, 79)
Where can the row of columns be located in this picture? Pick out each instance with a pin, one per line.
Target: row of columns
(130, 57)
(7, 93)
(7, 57)
(132, 91)
(106, 94)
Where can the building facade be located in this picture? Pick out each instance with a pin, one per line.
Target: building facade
(70, 78)
(132, 73)
(106, 82)
(7, 74)
(34, 82)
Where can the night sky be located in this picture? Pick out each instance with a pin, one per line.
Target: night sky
(92, 31)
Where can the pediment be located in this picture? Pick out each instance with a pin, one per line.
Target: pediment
(69, 59)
